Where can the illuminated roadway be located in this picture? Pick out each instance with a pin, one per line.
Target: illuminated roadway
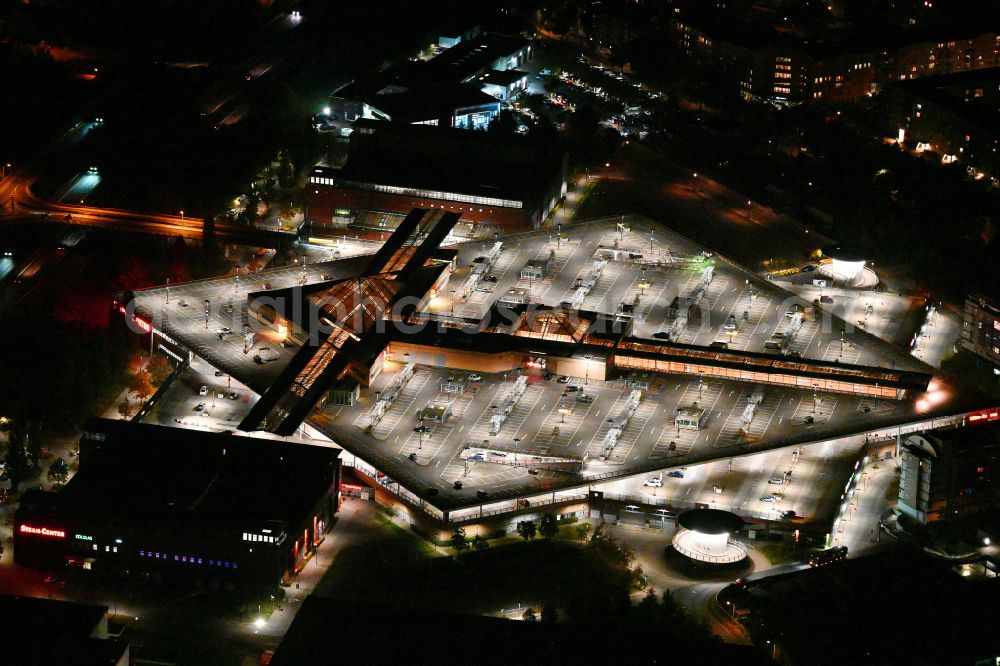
(16, 196)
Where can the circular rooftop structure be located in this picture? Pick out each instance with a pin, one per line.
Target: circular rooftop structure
(710, 521)
(704, 536)
(850, 254)
(847, 264)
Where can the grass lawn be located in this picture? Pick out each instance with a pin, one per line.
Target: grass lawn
(393, 565)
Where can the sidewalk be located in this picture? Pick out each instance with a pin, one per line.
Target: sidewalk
(354, 517)
(860, 528)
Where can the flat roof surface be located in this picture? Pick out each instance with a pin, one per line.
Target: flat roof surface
(136, 469)
(710, 521)
(670, 266)
(431, 102)
(447, 159)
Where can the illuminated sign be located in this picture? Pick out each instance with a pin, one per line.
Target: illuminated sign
(139, 321)
(84, 537)
(991, 415)
(42, 531)
(350, 486)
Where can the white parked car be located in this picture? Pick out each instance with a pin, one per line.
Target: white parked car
(475, 377)
(203, 390)
(654, 482)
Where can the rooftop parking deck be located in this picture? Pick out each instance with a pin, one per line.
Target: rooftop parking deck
(637, 272)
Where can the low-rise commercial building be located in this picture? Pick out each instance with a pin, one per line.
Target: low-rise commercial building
(47, 632)
(463, 86)
(501, 183)
(173, 503)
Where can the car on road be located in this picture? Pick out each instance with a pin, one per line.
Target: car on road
(776, 480)
(654, 482)
(789, 515)
(475, 377)
(676, 474)
(232, 395)
(286, 344)
(220, 373)
(200, 407)
(490, 278)
(203, 390)
(224, 331)
(264, 355)
(547, 375)
(768, 498)
(563, 380)
(571, 389)
(484, 290)
(585, 398)
(808, 269)
(661, 335)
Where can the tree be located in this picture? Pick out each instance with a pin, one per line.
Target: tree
(527, 529)
(458, 541)
(548, 527)
(159, 369)
(125, 408)
(58, 471)
(209, 243)
(529, 615)
(479, 543)
(17, 459)
(142, 384)
(549, 614)
(504, 124)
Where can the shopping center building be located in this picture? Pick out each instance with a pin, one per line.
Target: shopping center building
(182, 504)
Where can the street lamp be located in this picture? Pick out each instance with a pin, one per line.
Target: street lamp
(586, 369)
